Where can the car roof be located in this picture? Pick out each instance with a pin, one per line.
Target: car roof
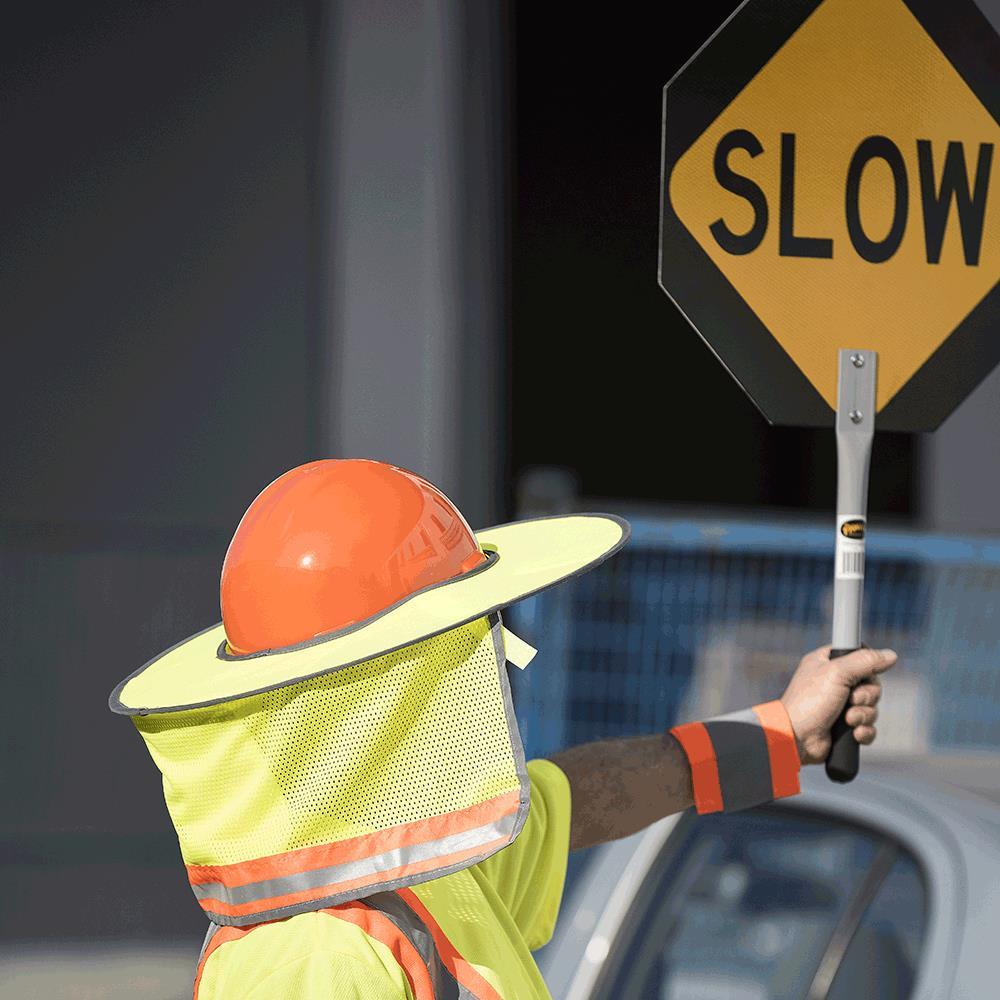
(961, 790)
(973, 772)
(919, 799)
(943, 807)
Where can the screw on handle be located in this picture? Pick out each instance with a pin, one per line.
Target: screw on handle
(843, 759)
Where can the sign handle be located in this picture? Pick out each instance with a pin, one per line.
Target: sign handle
(855, 431)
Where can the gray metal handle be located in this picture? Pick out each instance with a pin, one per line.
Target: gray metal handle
(855, 432)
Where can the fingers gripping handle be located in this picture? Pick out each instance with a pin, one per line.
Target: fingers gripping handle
(844, 757)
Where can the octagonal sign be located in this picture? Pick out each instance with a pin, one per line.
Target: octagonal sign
(830, 180)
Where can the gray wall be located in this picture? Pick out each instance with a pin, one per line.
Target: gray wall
(157, 373)
(960, 471)
(236, 238)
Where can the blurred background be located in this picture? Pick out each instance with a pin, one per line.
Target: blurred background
(238, 237)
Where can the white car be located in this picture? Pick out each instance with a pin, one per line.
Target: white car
(884, 889)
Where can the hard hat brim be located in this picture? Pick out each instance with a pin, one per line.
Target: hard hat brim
(525, 557)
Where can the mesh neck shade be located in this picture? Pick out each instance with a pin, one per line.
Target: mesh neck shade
(377, 776)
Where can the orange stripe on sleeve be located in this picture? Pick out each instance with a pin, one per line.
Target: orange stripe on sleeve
(697, 745)
(782, 749)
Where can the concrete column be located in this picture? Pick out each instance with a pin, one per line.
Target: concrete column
(412, 299)
(960, 466)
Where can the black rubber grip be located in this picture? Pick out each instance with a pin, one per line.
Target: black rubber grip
(843, 760)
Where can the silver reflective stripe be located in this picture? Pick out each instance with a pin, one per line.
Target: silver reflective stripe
(332, 876)
(209, 934)
(392, 906)
(744, 763)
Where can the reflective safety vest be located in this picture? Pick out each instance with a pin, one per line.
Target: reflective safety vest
(432, 966)
(470, 933)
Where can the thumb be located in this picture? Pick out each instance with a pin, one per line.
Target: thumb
(862, 663)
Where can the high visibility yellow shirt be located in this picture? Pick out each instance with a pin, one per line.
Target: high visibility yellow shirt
(489, 918)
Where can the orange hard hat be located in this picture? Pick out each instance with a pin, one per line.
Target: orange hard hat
(332, 543)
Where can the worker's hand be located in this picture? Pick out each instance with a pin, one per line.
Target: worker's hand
(821, 687)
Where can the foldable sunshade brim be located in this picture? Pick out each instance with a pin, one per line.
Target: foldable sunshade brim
(525, 557)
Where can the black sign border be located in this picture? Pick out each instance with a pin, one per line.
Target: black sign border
(698, 93)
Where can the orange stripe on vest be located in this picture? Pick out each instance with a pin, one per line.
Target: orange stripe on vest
(463, 971)
(380, 927)
(356, 848)
(404, 871)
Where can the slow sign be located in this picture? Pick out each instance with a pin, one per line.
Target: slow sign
(830, 179)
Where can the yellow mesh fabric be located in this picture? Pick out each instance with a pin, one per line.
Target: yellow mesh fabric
(403, 737)
(493, 913)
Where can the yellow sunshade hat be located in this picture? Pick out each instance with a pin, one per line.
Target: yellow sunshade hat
(342, 511)
(349, 728)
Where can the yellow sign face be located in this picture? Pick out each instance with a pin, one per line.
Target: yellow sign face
(848, 193)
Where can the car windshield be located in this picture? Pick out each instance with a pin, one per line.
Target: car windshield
(745, 906)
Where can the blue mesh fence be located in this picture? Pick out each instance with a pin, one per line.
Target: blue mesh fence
(622, 649)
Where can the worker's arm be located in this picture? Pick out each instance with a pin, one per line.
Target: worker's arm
(620, 786)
